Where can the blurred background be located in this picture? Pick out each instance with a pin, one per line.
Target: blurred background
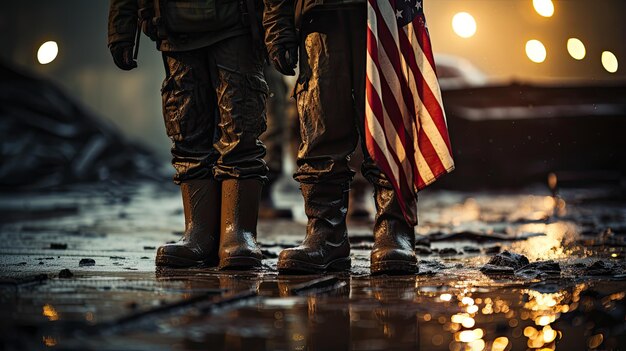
(478, 43)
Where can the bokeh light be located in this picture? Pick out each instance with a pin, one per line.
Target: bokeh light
(47, 52)
(609, 61)
(544, 8)
(464, 25)
(576, 48)
(536, 51)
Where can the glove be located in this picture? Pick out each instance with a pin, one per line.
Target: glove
(122, 53)
(285, 58)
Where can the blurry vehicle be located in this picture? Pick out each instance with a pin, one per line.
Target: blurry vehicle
(516, 133)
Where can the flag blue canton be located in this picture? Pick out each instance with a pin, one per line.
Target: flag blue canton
(407, 10)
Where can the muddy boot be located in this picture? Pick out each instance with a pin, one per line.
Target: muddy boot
(268, 209)
(394, 238)
(326, 246)
(240, 209)
(201, 206)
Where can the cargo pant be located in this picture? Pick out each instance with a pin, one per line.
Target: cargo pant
(277, 133)
(214, 111)
(330, 95)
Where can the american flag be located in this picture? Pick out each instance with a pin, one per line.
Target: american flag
(405, 123)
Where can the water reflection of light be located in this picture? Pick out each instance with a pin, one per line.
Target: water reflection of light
(609, 61)
(544, 309)
(595, 341)
(467, 301)
(445, 297)
(500, 343)
(536, 51)
(469, 335)
(49, 341)
(544, 7)
(576, 48)
(50, 312)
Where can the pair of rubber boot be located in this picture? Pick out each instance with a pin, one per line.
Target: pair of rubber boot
(220, 226)
(326, 246)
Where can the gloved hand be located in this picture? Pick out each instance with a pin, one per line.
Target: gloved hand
(122, 53)
(284, 58)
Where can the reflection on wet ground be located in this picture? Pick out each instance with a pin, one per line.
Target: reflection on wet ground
(498, 271)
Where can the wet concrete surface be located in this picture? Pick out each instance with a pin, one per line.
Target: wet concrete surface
(498, 271)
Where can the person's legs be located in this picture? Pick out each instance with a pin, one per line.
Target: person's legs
(325, 108)
(241, 94)
(394, 238)
(274, 140)
(190, 114)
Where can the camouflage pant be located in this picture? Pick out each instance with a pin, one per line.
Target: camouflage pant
(214, 111)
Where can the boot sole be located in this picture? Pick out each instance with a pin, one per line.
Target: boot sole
(394, 268)
(239, 263)
(299, 267)
(179, 262)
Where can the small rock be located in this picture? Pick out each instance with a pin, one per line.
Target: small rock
(448, 251)
(471, 249)
(86, 262)
(144, 257)
(117, 257)
(601, 268)
(423, 250)
(58, 246)
(509, 259)
(493, 249)
(65, 273)
(149, 247)
(40, 262)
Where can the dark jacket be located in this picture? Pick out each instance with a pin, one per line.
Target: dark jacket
(281, 18)
(183, 24)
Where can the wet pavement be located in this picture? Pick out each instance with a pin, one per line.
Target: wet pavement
(520, 270)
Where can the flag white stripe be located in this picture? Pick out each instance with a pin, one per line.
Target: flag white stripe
(428, 125)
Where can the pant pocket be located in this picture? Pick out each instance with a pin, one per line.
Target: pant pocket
(171, 110)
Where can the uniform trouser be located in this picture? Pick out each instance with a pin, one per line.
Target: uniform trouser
(330, 95)
(276, 134)
(214, 111)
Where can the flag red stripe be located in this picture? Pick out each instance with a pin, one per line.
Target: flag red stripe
(428, 97)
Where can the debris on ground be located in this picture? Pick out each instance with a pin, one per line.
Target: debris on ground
(66, 273)
(505, 262)
(85, 262)
(48, 139)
